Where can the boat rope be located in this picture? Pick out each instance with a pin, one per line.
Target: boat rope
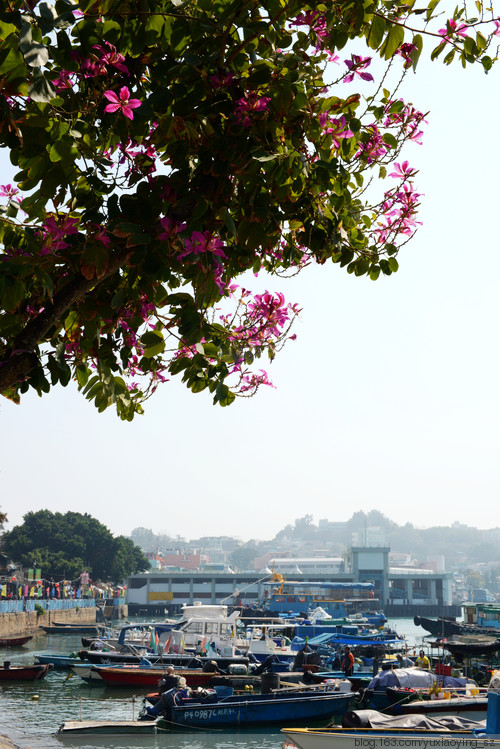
(193, 728)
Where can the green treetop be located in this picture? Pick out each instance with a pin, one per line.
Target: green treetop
(164, 148)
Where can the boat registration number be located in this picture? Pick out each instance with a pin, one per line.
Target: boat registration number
(209, 712)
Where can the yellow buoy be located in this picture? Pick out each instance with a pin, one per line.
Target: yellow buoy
(36, 697)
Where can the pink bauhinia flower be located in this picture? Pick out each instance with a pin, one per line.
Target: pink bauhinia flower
(110, 56)
(405, 51)
(221, 79)
(456, 28)
(123, 102)
(336, 127)
(54, 232)
(249, 104)
(356, 66)
(402, 171)
(8, 191)
(199, 243)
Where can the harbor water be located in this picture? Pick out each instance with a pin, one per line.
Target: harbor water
(31, 712)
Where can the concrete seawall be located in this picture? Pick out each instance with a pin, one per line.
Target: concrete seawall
(28, 622)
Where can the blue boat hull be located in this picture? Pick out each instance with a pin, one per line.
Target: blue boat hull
(272, 708)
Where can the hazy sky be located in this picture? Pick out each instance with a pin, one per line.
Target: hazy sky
(389, 398)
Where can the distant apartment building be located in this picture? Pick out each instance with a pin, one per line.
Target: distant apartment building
(183, 560)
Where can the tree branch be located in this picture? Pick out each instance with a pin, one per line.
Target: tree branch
(21, 358)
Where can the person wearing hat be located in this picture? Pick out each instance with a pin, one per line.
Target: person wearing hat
(168, 698)
(422, 661)
(404, 662)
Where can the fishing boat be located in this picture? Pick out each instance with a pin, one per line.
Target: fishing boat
(144, 676)
(277, 706)
(426, 693)
(470, 645)
(484, 616)
(69, 629)
(57, 661)
(22, 673)
(14, 642)
(482, 619)
(369, 729)
(338, 599)
(179, 660)
(138, 676)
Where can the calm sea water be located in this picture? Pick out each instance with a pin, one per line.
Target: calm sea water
(32, 712)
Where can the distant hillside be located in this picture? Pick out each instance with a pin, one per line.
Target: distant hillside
(459, 544)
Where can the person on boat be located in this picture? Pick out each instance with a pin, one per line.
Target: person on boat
(301, 657)
(347, 665)
(168, 699)
(211, 667)
(404, 662)
(168, 681)
(422, 661)
(334, 661)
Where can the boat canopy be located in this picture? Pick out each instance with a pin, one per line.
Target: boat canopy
(413, 678)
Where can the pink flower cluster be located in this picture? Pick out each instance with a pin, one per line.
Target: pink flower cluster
(139, 158)
(202, 243)
(170, 228)
(222, 79)
(55, 230)
(316, 22)
(249, 105)
(336, 127)
(400, 206)
(106, 56)
(375, 147)
(455, 29)
(251, 381)
(9, 191)
(405, 51)
(407, 120)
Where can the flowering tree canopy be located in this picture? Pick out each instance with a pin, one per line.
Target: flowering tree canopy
(166, 147)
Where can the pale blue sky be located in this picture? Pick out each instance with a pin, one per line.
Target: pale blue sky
(389, 398)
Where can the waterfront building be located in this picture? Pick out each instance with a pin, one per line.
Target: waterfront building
(402, 591)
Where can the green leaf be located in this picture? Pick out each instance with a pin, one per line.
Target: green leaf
(61, 149)
(394, 40)
(41, 88)
(437, 50)
(153, 343)
(430, 9)
(393, 264)
(415, 54)
(487, 63)
(228, 220)
(470, 46)
(376, 32)
(82, 375)
(263, 156)
(36, 55)
(481, 41)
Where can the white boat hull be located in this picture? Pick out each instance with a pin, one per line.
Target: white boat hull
(370, 738)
